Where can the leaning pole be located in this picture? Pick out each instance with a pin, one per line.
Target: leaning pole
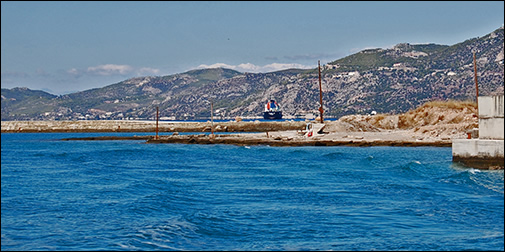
(320, 93)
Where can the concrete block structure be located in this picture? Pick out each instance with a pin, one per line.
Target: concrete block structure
(486, 151)
(491, 117)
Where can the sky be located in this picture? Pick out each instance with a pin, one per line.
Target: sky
(63, 47)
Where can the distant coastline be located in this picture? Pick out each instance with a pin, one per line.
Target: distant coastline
(432, 124)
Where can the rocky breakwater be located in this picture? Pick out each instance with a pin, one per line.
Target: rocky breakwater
(148, 126)
(299, 138)
(432, 124)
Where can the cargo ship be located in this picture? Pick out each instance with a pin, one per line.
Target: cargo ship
(272, 111)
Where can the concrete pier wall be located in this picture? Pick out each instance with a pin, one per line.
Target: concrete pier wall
(479, 153)
(491, 117)
(478, 148)
(491, 128)
(486, 152)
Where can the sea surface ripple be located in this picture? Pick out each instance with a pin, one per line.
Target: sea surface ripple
(128, 195)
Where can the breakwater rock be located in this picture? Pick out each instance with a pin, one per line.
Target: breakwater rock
(285, 138)
(148, 126)
(250, 139)
(296, 138)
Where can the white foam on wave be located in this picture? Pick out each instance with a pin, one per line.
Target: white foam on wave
(473, 171)
(487, 179)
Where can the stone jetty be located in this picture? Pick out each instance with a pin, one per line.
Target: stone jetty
(148, 126)
(299, 138)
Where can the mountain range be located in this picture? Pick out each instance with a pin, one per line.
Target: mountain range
(388, 81)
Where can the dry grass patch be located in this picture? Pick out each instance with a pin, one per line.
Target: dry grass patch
(439, 112)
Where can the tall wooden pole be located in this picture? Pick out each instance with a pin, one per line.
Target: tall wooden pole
(211, 117)
(157, 117)
(476, 83)
(320, 93)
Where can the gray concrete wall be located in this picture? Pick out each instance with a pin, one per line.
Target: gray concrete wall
(491, 128)
(479, 153)
(486, 152)
(477, 147)
(491, 117)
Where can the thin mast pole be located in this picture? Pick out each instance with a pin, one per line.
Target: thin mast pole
(320, 93)
(157, 117)
(211, 117)
(476, 83)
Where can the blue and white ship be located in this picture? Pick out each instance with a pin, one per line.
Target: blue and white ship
(272, 111)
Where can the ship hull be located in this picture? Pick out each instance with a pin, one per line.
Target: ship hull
(273, 115)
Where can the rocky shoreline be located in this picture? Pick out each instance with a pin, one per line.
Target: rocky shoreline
(433, 124)
(273, 133)
(297, 138)
(281, 138)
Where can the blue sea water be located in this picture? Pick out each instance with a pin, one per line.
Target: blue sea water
(129, 195)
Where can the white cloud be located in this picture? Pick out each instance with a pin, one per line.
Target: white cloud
(148, 71)
(217, 65)
(248, 67)
(251, 68)
(281, 66)
(73, 71)
(110, 69)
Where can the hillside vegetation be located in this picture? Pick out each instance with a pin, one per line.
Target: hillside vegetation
(388, 81)
(450, 119)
